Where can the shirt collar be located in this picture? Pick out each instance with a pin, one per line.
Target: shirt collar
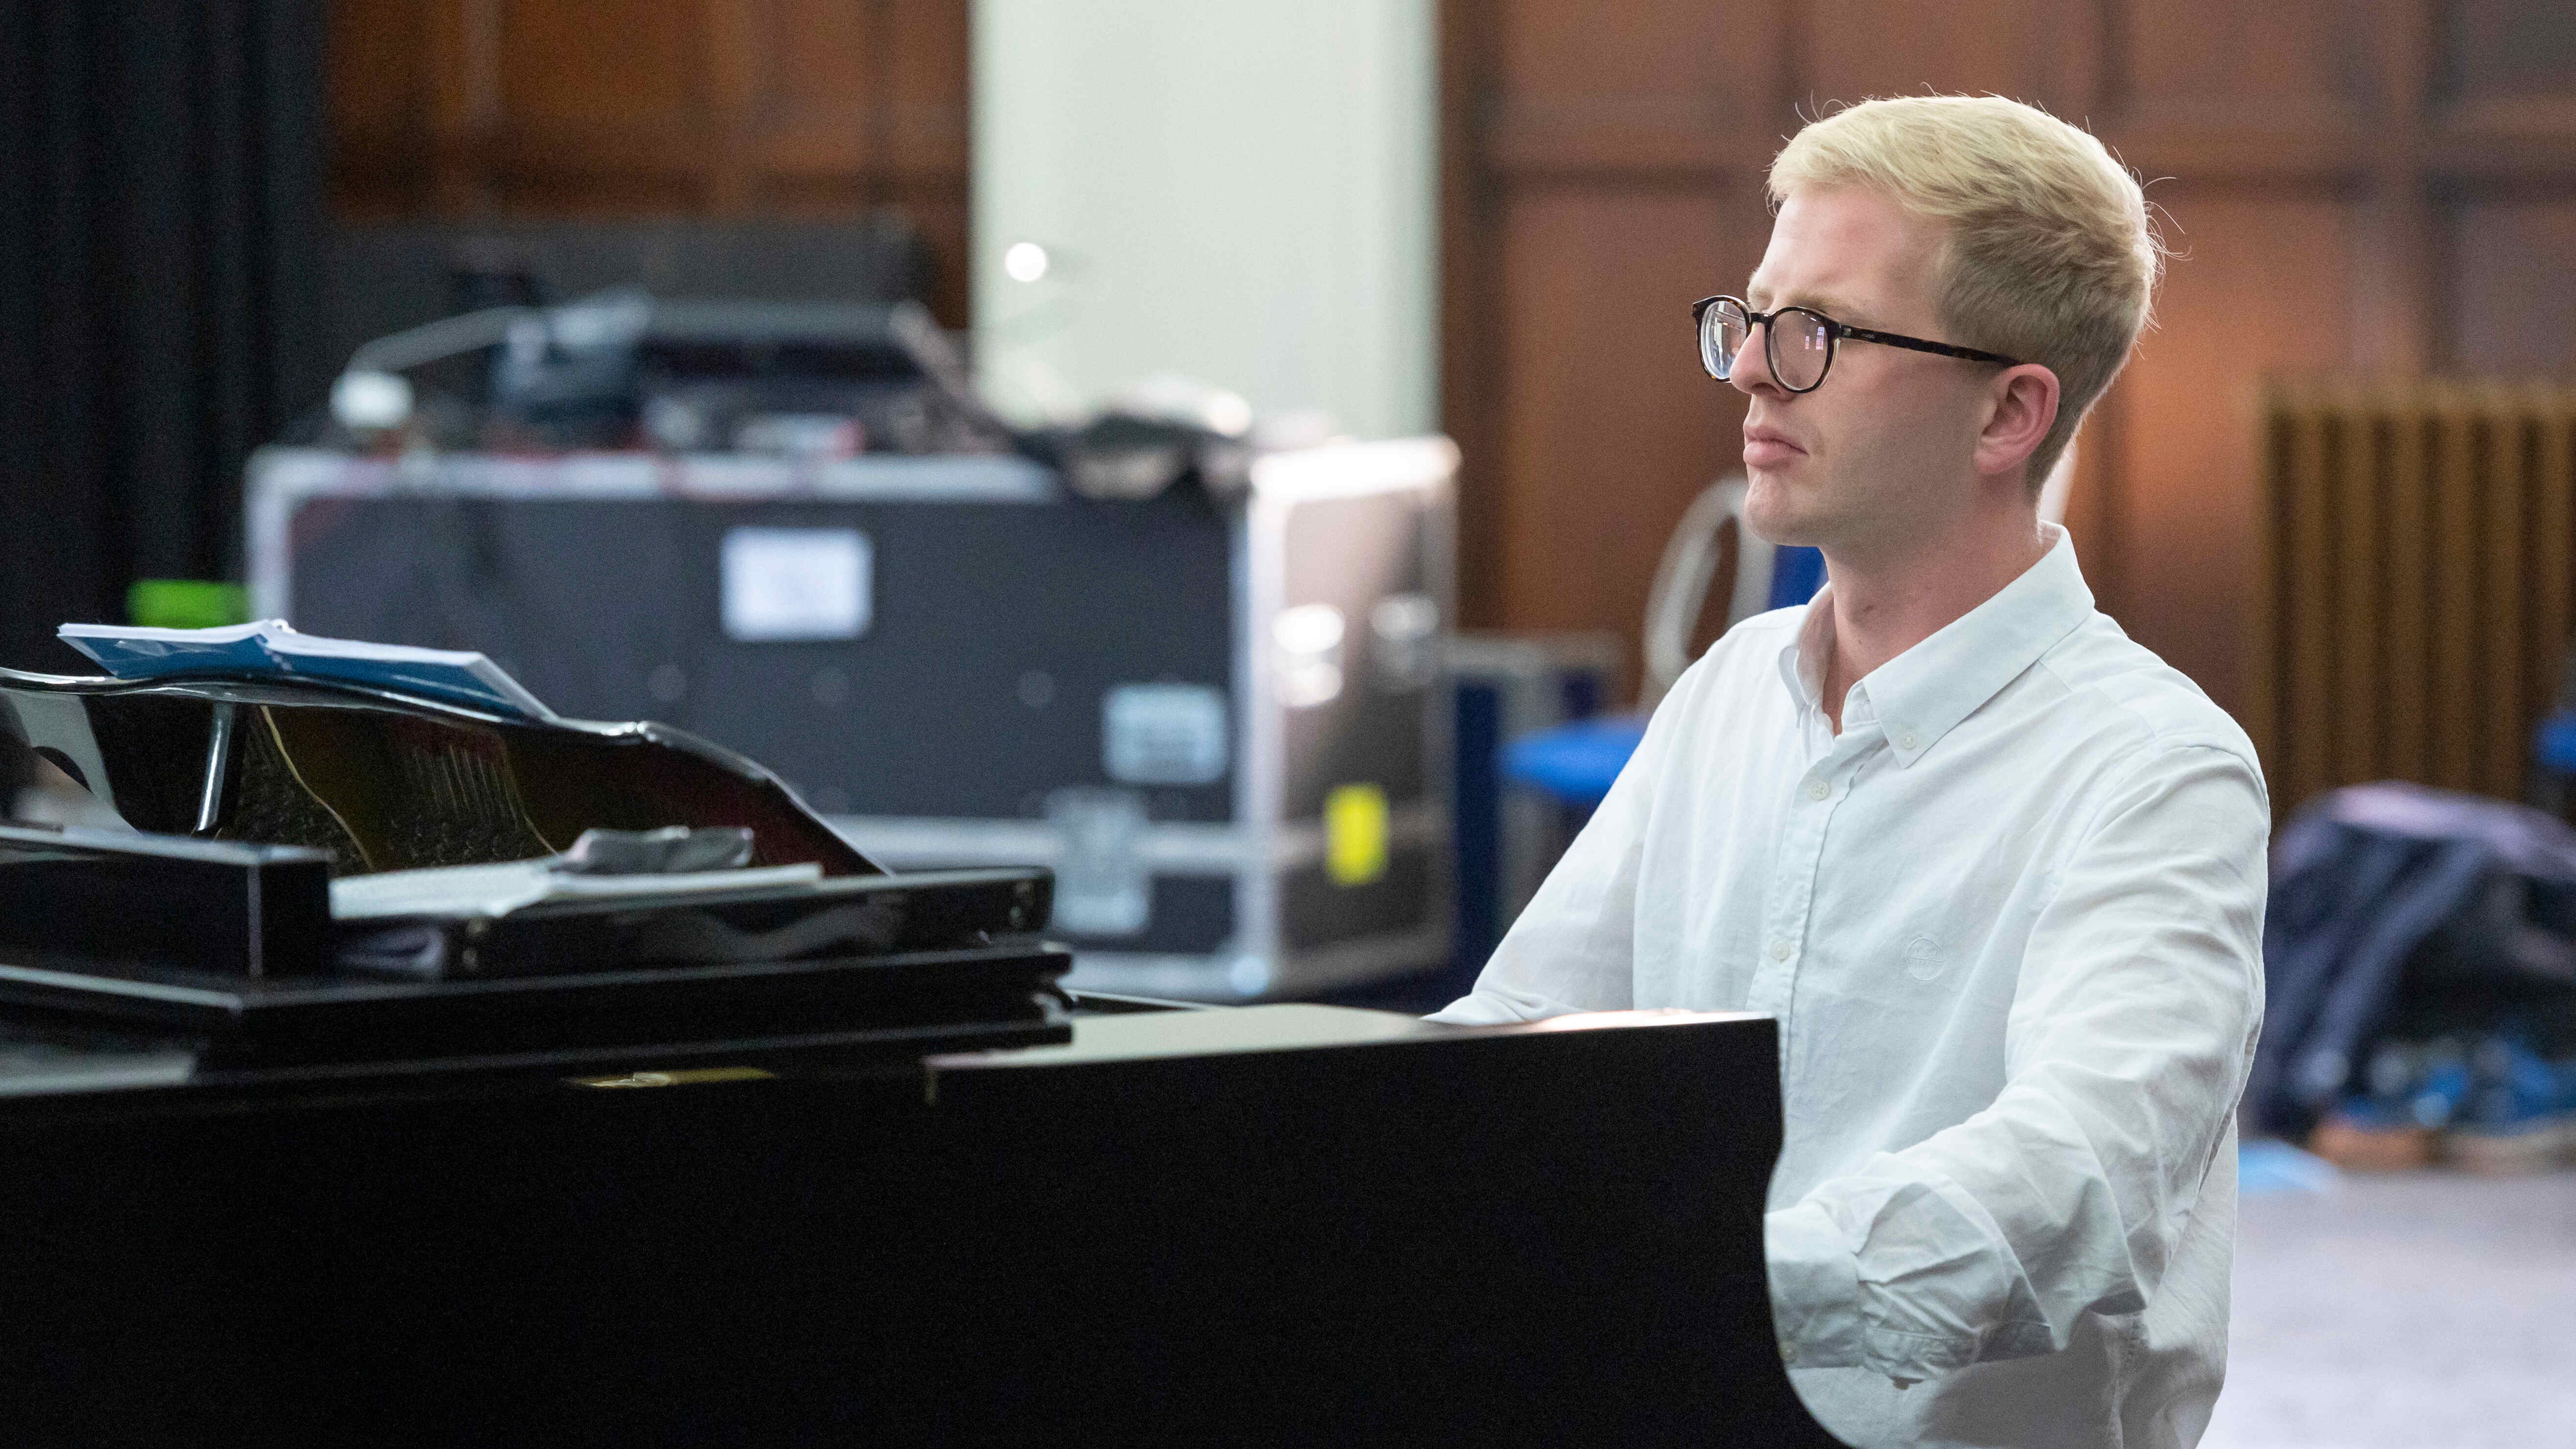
(1923, 693)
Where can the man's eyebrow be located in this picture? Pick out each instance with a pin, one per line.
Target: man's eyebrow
(1759, 298)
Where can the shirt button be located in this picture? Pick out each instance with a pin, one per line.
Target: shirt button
(1779, 950)
(1818, 789)
(1906, 740)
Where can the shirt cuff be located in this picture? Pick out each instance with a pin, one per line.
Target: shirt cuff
(1815, 1289)
(1475, 1010)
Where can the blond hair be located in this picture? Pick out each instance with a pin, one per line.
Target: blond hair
(2049, 255)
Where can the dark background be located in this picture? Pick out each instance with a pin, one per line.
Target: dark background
(161, 239)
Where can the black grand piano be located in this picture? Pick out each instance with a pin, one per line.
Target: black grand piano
(701, 1173)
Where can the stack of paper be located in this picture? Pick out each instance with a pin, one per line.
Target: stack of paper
(270, 649)
(498, 890)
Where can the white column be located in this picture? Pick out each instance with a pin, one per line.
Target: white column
(1242, 191)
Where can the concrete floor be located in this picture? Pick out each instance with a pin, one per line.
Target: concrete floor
(2414, 1311)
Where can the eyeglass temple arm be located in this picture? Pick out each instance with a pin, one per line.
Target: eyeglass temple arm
(1938, 349)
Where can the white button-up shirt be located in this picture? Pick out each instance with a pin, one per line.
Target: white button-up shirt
(2010, 923)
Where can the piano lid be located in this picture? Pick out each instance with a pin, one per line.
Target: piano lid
(379, 779)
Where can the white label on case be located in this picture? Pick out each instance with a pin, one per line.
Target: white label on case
(796, 583)
(1163, 734)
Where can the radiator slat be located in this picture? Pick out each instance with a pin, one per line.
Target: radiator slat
(2409, 586)
(2311, 601)
(2497, 435)
(2263, 618)
(2357, 594)
(2455, 594)
(2553, 530)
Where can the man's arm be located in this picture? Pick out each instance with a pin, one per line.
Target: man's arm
(2131, 1031)
(1573, 948)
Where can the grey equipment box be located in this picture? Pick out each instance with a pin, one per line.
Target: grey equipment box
(1220, 723)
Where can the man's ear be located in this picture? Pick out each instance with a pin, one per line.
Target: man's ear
(2024, 408)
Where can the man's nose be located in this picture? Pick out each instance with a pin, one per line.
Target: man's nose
(1751, 374)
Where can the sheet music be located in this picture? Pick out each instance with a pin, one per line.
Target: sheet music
(498, 890)
(273, 649)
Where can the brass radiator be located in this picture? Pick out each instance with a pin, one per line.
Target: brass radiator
(2417, 582)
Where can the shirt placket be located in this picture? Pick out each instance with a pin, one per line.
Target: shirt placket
(1790, 898)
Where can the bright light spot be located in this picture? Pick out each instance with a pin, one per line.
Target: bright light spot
(1230, 414)
(371, 401)
(1024, 262)
(1310, 643)
(1310, 682)
(1308, 629)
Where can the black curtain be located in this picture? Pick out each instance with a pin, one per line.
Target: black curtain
(160, 283)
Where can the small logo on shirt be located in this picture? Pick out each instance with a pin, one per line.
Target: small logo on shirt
(1923, 958)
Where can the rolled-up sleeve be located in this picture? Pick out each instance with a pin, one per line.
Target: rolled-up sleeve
(2126, 1049)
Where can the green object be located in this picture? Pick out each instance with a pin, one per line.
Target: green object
(186, 604)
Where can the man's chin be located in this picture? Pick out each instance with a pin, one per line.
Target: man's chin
(1775, 517)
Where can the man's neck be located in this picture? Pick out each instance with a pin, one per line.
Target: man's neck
(1885, 604)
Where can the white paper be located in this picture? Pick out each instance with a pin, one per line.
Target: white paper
(497, 890)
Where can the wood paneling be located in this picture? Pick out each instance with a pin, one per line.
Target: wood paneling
(379, 75)
(1681, 87)
(381, 103)
(2261, 287)
(2261, 70)
(2042, 51)
(1606, 273)
(2379, 184)
(637, 66)
(2513, 295)
(818, 54)
(2506, 64)
(566, 109)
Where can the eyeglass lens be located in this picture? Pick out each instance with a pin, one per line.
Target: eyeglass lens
(1799, 347)
(1721, 336)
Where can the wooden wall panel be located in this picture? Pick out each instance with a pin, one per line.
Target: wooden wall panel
(2262, 288)
(921, 126)
(603, 65)
(379, 72)
(2042, 51)
(2512, 308)
(2213, 68)
(2507, 64)
(1555, 52)
(381, 102)
(814, 64)
(924, 116)
(569, 109)
(1605, 327)
(1674, 87)
(605, 107)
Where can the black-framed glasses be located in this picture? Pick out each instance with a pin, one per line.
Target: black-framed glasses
(1798, 342)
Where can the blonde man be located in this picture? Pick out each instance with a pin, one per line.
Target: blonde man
(1998, 871)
